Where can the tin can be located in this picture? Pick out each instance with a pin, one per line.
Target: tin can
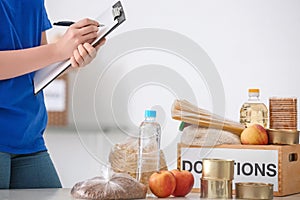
(217, 169)
(283, 136)
(254, 190)
(216, 188)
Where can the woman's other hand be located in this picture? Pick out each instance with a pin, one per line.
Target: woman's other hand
(84, 54)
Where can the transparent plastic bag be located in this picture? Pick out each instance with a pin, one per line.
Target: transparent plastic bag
(123, 158)
(109, 185)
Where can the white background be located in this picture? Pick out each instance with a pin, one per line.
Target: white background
(253, 43)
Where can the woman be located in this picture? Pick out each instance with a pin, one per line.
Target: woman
(24, 161)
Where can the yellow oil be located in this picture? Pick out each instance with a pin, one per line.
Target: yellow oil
(254, 113)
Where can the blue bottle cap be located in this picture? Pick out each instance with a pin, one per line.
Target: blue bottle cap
(150, 113)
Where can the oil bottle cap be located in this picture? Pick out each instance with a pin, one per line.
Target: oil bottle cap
(150, 113)
(253, 90)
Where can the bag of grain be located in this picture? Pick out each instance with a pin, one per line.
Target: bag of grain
(109, 185)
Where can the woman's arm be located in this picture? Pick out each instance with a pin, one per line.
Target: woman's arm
(18, 62)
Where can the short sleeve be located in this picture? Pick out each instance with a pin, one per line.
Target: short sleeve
(46, 24)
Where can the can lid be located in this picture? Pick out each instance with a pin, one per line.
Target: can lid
(150, 113)
(251, 190)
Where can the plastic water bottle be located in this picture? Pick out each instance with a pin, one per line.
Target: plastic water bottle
(148, 147)
(254, 111)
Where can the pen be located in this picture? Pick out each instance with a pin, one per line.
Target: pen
(68, 23)
(63, 23)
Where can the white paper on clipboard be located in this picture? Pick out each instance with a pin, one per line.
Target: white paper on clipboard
(109, 18)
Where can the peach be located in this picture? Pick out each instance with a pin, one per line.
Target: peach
(255, 134)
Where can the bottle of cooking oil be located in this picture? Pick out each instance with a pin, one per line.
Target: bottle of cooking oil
(254, 111)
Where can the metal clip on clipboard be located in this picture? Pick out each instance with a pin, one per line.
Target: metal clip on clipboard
(112, 18)
(118, 16)
(116, 12)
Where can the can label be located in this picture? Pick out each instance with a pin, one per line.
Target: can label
(250, 165)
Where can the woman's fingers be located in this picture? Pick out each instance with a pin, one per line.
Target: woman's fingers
(88, 29)
(88, 37)
(88, 33)
(83, 55)
(85, 22)
(74, 62)
(90, 51)
(78, 59)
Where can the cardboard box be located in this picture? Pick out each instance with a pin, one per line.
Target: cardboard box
(276, 164)
(56, 98)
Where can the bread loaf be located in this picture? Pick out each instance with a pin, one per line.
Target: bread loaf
(201, 136)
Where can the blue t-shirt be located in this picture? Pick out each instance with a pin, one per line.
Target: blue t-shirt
(23, 115)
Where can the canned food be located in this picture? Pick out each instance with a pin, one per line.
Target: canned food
(216, 188)
(217, 169)
(254, 190)
(283, 136)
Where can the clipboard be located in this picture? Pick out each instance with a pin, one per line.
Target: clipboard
(111, 18)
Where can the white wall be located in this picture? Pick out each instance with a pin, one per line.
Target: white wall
(252, 43)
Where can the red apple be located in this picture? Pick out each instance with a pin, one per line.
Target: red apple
(255, 134)
(184, 182)
(162, 184)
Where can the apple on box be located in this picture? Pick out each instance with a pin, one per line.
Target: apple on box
(255, 134)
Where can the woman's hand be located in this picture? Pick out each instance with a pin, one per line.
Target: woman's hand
(84, 54)
(83, 31)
